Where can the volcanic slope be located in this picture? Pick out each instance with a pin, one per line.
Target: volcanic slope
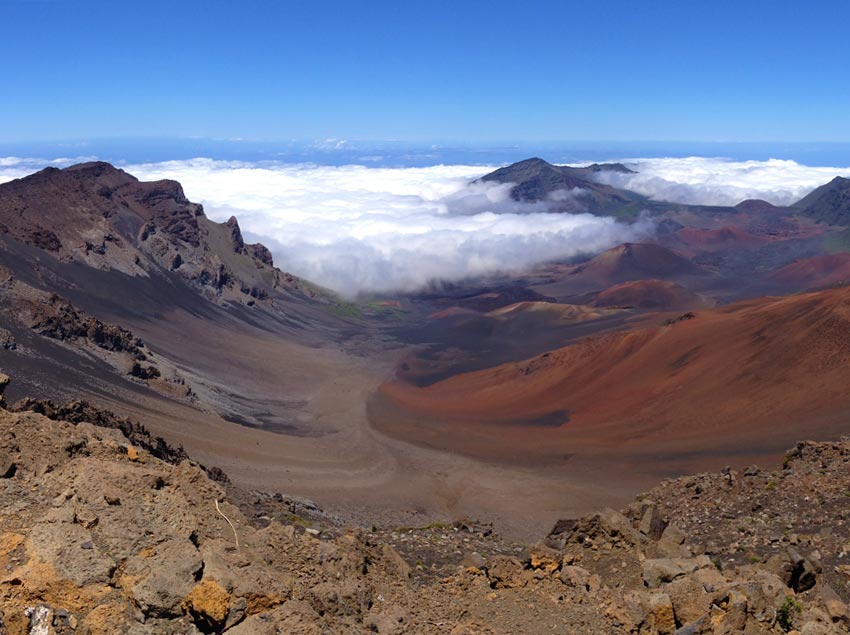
(657, 295)
(811, 273)
(727, 237)
(624, 263)
(702, 389)
(90, 251)
(735, 248)
(632, 261)
(830, 203)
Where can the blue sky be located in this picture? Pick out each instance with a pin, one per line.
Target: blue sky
(473, 72)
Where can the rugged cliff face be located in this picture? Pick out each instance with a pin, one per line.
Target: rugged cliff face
(100, 216)
(101, 536)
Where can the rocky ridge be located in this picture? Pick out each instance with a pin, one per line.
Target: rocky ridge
(50, 316)
(830, 203)
(98, 215)
(101, 536)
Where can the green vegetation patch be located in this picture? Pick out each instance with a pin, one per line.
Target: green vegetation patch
(787, 613)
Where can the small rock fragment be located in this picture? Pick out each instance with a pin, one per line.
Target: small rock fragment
(661, 614)
(8, 467)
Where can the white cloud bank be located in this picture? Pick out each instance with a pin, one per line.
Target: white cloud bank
(358, 229)
(708, 181)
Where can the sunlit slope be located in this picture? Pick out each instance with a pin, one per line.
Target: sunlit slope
(754, 370)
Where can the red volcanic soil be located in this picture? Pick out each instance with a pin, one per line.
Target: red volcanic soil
(459, 340)
(532, 314)
(635, 261)
(623, 263)
(501, 297)
(739, 381)
(452, 312)
(649, 294)
(725, 237)
(811, 273)
(547, 313)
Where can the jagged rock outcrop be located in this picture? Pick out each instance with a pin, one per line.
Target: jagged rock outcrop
(50, 315)
(57, 318)
(83, 412)
(235, 235)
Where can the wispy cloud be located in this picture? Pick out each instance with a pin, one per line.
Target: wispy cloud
(16, 167)
(710, 181)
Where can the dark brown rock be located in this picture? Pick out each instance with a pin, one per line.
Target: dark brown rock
(794, 570)
(235, 235)
(505, 572)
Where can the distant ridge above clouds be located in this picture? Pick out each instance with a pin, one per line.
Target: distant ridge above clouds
(718, 181)
(365, 229)
(536, 180)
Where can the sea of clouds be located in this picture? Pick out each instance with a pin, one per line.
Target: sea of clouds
(709, 181)
(359, 229)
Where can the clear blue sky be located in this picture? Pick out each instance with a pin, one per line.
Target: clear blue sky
(469, 71)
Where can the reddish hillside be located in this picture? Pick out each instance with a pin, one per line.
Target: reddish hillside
(649, 294)
(724, 237)
(811, 273)
(735, 380)
(636, 261)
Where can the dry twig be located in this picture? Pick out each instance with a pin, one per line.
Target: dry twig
(218, 509)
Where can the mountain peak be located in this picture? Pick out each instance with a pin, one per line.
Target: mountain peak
(94, 167)
(533, 162)
(635, 261)
(535, 179)
(755, 205)
(830, 203)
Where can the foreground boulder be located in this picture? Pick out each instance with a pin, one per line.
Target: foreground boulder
(659, 571)
(794, 570)
(117, 539)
